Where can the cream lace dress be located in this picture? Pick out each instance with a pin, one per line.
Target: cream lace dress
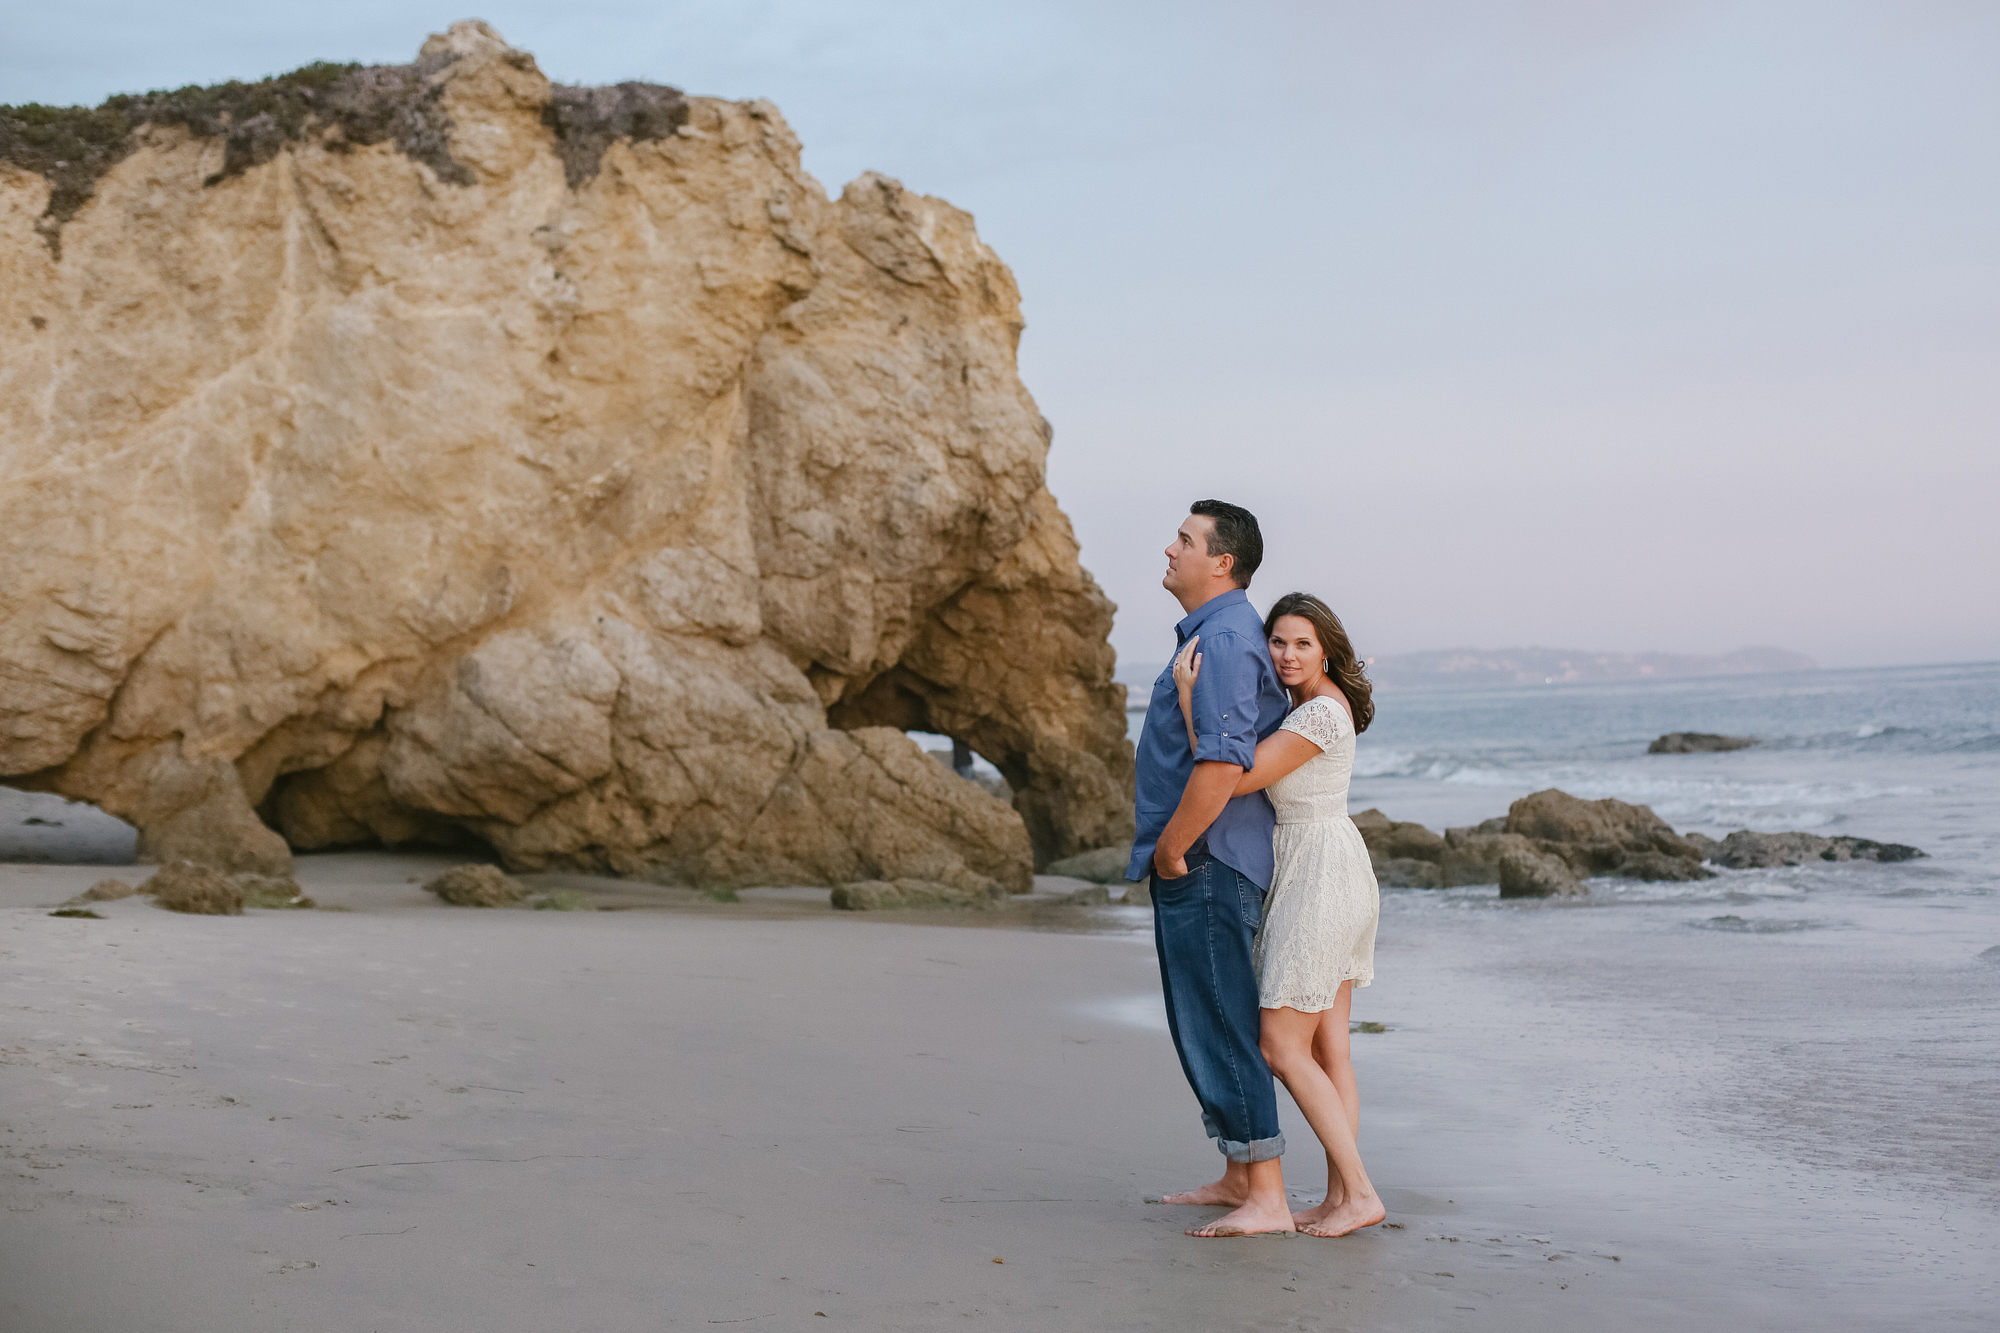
(1319, 918)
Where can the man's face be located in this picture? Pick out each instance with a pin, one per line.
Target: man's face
(1189, 565)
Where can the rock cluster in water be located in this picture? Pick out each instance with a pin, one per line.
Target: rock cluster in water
(1699, 742)
(400, 454)
(1745, 850)
(1550, 841)
(1546, 845)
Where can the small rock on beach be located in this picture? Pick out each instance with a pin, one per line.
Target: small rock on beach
(478, 886)
(904, 894)
(183, 886)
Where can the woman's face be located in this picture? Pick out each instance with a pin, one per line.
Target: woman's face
(1295, 651)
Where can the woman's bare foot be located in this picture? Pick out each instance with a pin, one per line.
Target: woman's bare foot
(1337, 1217)
(1227, 1192)
(1336, 1191)
(1256, 1218)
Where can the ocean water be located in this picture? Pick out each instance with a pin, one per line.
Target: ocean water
(1898, 754)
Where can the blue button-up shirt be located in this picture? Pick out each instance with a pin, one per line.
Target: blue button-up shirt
(1237, 702)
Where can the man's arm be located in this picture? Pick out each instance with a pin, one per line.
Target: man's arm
(1224, 721)
(1201, 801)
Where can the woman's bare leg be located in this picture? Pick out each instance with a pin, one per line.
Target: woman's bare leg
(1288, 1040)
(1330, 1052)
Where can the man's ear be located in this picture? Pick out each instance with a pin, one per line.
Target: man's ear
(1228, 566)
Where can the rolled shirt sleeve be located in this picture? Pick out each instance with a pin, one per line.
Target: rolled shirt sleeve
(1226, 702)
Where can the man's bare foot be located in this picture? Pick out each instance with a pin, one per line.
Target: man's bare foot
(1224, 1193)
(1337, 1217)
(1256, 1218)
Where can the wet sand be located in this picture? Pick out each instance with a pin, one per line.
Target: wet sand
(692, 1114)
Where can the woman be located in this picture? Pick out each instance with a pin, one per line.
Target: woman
(1318, 938)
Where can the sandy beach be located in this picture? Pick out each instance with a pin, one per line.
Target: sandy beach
(691, 1114)
(532, 455)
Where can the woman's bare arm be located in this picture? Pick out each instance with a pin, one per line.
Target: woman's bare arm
(1279, 753)
(1187, 670)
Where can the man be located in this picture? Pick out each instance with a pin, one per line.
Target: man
(1209, 857)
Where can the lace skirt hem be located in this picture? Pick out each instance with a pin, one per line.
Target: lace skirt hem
(1314, 1003)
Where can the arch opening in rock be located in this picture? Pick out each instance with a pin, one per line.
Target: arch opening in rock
(619, 505)
(39, 828)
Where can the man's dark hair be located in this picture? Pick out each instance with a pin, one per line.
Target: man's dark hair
(1236, 533)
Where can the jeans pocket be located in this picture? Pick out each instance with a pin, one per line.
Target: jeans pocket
(1250, 902)
(1176, 889)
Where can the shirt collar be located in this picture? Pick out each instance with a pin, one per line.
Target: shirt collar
(1193, 620)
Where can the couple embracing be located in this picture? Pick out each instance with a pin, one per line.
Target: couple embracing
(1263, 897)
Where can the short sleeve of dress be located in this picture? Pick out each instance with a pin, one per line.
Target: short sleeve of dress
(1319, 720)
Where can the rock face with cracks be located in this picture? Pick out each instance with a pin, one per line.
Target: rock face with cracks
(401, 454)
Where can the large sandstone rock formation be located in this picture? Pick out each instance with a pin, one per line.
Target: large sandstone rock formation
(404, 453)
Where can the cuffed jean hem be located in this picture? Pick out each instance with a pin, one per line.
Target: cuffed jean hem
(1204, 927)
(1257, 1150)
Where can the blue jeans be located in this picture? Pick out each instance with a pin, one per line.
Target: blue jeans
(1203, 925)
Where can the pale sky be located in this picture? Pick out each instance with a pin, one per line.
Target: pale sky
(1622, 324)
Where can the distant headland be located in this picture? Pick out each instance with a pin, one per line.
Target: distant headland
(1462, 668)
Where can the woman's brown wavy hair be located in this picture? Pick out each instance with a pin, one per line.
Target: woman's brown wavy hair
(1341, 662)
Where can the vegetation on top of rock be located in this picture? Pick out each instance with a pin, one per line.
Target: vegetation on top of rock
(348, 105)
(587, 120)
